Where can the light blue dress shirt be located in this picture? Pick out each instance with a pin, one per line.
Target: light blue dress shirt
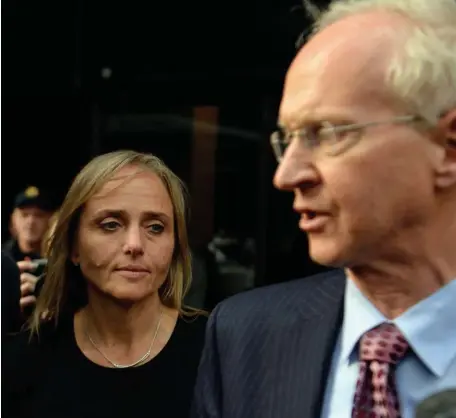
(430, 329)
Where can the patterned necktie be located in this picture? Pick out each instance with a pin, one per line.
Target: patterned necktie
(380, 349)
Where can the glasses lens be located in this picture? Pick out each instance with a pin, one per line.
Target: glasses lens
(278, 144)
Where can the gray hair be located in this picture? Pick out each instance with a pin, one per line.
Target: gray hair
(422, 72)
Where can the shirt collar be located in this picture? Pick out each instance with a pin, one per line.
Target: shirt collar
(426, 325)
(360, 315)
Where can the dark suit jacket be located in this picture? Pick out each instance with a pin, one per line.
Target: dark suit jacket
(268, 351)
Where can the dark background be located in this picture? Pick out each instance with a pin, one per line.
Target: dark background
(165, 58)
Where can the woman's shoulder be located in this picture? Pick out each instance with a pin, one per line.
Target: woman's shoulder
(21, 359)
(25, 359)
(194, 321)
(15, 345)
(192, 327)
(20, 345)
(23, 349)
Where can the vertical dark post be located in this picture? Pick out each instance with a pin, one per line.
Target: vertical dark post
(202, 179)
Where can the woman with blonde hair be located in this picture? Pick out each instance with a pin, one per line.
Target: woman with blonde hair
(117, 340)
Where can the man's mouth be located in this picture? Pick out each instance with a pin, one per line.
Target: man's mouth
(312, 221)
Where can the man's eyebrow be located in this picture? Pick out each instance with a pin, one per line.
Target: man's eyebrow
(313, 118)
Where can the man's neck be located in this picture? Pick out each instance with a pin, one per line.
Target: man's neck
(394, 291)
(116, 324)
(397, 283)
(413, 267)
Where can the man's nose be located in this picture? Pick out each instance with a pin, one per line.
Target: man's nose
(296, 169)
(30, 220)
(134, 241)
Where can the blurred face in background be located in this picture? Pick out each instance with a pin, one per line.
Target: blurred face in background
(29, 224)
(125, 240)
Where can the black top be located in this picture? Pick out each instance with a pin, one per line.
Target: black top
(53, 378)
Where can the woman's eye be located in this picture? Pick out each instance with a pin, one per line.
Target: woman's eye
(110, 226)
(156, 228)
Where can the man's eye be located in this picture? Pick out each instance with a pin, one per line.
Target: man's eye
(316, 134)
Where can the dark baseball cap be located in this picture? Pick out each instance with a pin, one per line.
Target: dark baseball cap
(32, 196)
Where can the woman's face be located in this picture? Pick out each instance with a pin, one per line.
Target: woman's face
(125, 240)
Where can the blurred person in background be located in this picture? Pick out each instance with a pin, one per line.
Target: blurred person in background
(117, 340)
(33, 274)
(29, 222)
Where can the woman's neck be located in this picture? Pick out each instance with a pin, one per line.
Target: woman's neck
(106, 329)
(114, 323)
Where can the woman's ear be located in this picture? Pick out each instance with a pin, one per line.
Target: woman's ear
(74, 256)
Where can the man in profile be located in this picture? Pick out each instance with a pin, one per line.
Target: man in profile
(367, 144)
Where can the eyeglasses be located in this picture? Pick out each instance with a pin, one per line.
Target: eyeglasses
(327, 138)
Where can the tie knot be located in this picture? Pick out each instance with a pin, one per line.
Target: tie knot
(384, 343)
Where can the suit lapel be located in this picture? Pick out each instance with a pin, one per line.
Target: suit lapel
(318, 331)
(320, 343)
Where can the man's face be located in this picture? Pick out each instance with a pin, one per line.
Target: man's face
(379, 192)
(30, 224)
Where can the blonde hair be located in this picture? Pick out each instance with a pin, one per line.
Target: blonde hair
(422, 73)
(48, 234)
(64, 288)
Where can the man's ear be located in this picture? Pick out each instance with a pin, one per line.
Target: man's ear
(446, 173)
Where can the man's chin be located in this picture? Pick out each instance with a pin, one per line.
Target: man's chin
(32, 241)
(327, 256)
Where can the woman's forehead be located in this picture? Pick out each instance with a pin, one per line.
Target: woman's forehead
(133, 187)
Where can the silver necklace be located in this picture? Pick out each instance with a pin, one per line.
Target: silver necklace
(126, 366)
